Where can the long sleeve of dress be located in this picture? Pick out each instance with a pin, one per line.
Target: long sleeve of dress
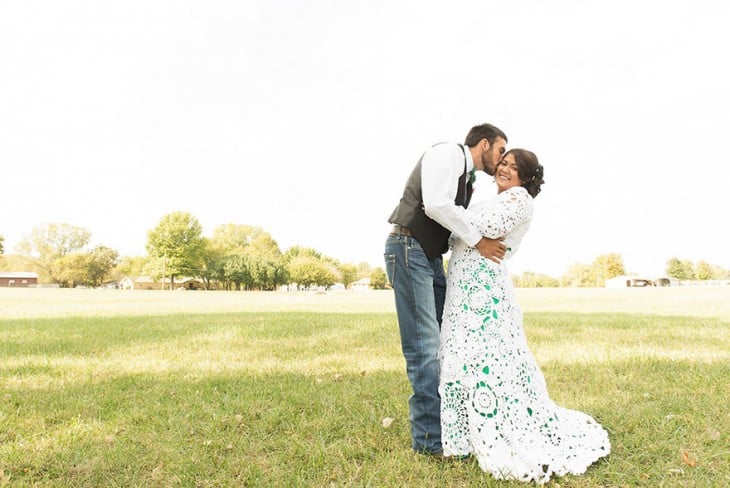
(512, 208)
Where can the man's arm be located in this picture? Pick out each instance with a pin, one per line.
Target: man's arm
(441, 167)
(492, 249)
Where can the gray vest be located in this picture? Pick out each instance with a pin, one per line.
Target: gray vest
(432, 236)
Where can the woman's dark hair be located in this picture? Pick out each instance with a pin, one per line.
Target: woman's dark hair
(529, 169)
(484, 131)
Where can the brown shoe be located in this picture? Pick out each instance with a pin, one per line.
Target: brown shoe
(439, 456)
(436, 456)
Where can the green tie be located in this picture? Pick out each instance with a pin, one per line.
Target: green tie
(472, 175)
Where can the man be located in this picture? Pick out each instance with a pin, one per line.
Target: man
(433, 207)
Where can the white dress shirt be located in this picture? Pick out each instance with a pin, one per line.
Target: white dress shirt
(441, 167)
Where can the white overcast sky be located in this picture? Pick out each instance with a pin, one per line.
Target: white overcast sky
(306, 117)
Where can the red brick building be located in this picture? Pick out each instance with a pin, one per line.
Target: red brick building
(21, 279)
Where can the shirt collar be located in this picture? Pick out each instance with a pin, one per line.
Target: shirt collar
(469, 160)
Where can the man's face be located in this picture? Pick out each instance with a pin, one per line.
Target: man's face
(492, 154)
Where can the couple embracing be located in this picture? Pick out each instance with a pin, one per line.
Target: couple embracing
(477, 390)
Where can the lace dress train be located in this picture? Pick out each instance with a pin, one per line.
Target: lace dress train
(494, 399)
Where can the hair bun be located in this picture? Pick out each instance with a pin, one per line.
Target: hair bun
(533, 186)
(529, 169)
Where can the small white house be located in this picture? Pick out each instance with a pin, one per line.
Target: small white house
(148, 283)
(139, 283)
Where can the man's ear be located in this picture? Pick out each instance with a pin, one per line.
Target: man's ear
(486, 144)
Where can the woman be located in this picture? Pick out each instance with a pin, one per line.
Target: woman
(494, 400)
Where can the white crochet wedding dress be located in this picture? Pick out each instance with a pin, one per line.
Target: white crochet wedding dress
(494, 400)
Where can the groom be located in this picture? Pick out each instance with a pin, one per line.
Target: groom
(433, 207)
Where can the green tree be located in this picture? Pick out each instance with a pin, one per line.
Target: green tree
(100, 262)
(327, 269)
(689, 269)
(178, 241)
(297, 251)
(602, 268)
(224, 255)
(2, 245)
(15, 262)
(607, 266)
(378, 279)
(49, 244)
(209, 263)
(307, 270)
(348, 273)
(547, 281)
(675, 269)
(235, 270)
(266, 262)
(267, 272)
(235, 237)
(528, 279)
(249, 254)
(154, 267)
(131, 266)
(680, 269)
(579, 275)
(703, 271)
(74, 270)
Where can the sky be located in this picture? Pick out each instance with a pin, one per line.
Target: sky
(306, 117)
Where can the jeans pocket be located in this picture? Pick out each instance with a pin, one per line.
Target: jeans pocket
(390, 267)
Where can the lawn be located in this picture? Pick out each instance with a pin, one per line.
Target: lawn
(118, 388)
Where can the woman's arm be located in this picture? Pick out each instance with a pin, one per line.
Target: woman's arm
(512, 208)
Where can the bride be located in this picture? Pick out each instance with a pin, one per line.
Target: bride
(494, 400)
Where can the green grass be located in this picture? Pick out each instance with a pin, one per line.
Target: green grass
(281, 389)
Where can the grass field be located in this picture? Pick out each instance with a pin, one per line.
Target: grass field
(112, 388)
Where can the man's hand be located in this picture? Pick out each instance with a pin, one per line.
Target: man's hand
(492, 249)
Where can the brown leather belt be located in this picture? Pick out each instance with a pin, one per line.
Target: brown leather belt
(399, 230)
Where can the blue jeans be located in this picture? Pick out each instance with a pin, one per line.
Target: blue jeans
(420, 289)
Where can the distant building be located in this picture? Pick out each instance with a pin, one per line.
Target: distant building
(147, 283)
(187, 283)
(361, 284)
(139, 283)
(625, 281)
(18, 279)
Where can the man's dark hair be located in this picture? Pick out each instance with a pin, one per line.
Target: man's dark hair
(484, 131)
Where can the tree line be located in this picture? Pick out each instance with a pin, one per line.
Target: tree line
(243, 257)
(604, 267)
(607, 266)
(235, 257)
(685, 269)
